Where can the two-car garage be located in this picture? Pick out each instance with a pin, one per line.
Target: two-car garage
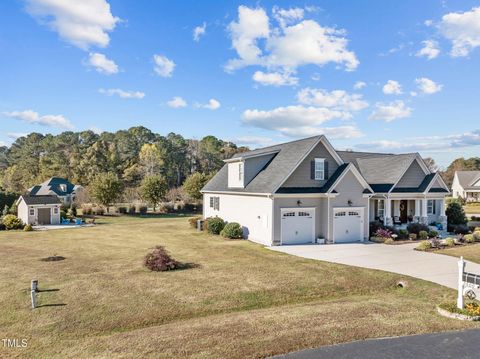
(298, 225)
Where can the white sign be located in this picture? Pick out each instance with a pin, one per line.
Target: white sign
(468, 284)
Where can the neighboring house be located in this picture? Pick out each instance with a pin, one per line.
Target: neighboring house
(466, 185)
(59, 187)
(39, 210)
(301, 191)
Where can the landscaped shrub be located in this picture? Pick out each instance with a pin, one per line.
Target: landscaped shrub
(2, 227)
(11, 221)
(377, 239)
(215, 225)
(461, 229)
(476, 236)
(142, 210)
(131, 209)
(63, 214)
(413, 236)
(86, 209)
(159, 260)
(389, 241)
(232, 230)
(99, 211)
(416, 228)
(28, 228)
(455, 214)
(423, 235)
(122, 210)
(476, 229)
(375, 226)
(468, 238)
(435, 242)
(424, 245)
(403, 234)
(433, 234)
(383, 233)
(450, 242)
(193, 221)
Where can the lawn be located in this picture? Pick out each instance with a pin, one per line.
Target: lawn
(241, 301)
(472, 208)
(471, 253)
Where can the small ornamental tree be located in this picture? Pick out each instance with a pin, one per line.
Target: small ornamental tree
(194, 184)
(456, 214)
(106, 188)
(153, 190)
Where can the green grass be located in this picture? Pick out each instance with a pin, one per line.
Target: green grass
(242, 300)
(471, 253)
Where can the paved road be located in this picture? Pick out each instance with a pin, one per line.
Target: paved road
(455, 345)
(401, 259)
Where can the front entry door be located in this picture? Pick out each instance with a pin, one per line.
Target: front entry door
(403, 211)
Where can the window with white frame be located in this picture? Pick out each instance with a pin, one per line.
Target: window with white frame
(215, 203)
(240, 171)
(431, 206)
(55, 210)
(212, 202)
(381, 208)
(32, 211)
(319, 169)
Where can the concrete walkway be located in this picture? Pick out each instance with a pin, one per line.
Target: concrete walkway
(452, 345)
(401, 259)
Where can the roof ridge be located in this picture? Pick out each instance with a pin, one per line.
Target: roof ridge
(283, 143)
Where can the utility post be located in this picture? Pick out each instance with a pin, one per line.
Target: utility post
(461, 269)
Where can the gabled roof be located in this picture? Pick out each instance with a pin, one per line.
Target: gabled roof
(52, 186)
(270, 178)
(39, 200)
(468, 179)
(385, 169)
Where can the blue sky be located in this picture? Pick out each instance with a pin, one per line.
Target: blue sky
(396, 76)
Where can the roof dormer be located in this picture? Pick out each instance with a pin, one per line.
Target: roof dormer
(236, 174)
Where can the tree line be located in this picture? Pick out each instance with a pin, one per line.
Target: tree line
(130, 155)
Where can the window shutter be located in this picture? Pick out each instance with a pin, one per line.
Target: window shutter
(312, 170)
(325, 170)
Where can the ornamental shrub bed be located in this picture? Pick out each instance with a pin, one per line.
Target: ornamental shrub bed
(11, 221)
(232, 230)
(215, 225)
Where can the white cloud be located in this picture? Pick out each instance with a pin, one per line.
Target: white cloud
(390, 111)
(429, 50)
(463, 30)
(288, 46)
(253, 141)
(33, 117)
(83, 23)
(337, 99)
(392, 87)
(15, 135)
(359, 85)
(177, 102)
(413, 93)
(122, 93)
(3, 143)
(102, 64)
(339, 132)
(199, 31)
(211, 105)
(163, 65)
(288, 16)
(428, 86)
(275, 78)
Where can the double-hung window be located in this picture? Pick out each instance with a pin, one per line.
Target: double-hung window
(319, 169)
(431, 206)
(381, 208)
(240, 172)
(215, 203)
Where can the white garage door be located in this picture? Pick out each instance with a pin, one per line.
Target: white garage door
(298, 225)
(348, 225)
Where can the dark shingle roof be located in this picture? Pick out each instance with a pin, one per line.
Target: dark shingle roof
(271, 176)
(52, 186)
(38, 200)
(323, 189)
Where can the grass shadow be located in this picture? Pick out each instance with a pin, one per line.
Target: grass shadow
(52, 305)
(53, 259)
(47, 290)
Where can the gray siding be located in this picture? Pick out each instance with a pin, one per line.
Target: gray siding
(349, 189)
(413, 177)
(301, 177)
(317, 203)
(253, 166)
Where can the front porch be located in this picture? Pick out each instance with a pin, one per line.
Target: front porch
(399, 212)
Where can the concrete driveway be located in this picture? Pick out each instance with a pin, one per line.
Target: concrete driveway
(401, 259)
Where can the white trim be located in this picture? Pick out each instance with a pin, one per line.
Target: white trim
(329, 148)
(322, 161)
(299, 195)
(442, 183)
(347, 209)
(243, 158)
(353, 169)
(237, 193)
(288, 209)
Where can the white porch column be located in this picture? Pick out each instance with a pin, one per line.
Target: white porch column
(442, 207)
(442, 218)
(417, 215)
(424, 217)
(388, 212)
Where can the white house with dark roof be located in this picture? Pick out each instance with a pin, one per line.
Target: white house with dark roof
(39, 210)
(466, 185)
(304, 191)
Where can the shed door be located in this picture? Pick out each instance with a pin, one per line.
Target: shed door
(348, 225)
(298, 225)
(44, 216)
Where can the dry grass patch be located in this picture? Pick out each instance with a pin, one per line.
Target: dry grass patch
(242, 301)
